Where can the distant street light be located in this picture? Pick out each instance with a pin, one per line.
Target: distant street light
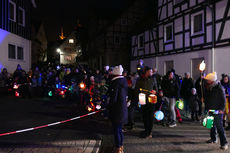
(59, 50)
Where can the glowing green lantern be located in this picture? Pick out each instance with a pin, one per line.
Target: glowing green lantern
(50, 93)
(180, 104)
(208, 122)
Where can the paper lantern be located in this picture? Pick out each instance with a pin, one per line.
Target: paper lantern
(82, 85)
(208, 122)
(16, 93)
(90, 107)
(50, 93)
(152, 99)
(98, 107)
(180, 104)
(159, 115)
(142, 99)
(62, 92)
(15, 86)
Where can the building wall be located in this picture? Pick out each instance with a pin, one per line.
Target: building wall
(185, 45)
(11, 64)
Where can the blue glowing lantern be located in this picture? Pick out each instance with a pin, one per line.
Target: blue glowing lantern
(159, 115)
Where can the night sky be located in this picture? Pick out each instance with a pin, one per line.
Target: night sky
(64, 13)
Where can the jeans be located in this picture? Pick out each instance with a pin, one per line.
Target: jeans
(218, 127)
(172, 104)
(118, 135)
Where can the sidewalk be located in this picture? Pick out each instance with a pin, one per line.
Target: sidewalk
(188, 137)
(78, 146)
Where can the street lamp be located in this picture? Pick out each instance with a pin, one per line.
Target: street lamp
(58, 50)
(202, 68)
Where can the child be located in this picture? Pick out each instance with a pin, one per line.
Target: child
(194, 105)
(163, 104)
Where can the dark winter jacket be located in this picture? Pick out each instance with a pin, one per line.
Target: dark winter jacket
(226, 87)
(194, 103)
(131, 97)
(157, 81)
(186, 87)
(215, 98)
(170, 88)
(144, 83)
(118, 111)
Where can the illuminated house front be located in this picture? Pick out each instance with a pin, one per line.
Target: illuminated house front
(15, 31)
(69, 50)
(187, 32)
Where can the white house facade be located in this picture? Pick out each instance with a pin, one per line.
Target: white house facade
(69, 50)
(15, 43)
(184, 36)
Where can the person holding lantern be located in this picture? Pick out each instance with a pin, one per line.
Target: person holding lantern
(118, 111)
(146, 83)
(214, 98)
(171, 89)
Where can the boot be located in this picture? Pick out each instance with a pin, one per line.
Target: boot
(119, 150)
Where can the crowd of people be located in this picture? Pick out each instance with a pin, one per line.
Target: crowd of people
(119, 90)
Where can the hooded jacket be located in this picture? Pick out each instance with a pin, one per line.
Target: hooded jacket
(118, 111)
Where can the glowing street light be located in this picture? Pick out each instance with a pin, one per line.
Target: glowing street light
(58, 50)
(202, 66)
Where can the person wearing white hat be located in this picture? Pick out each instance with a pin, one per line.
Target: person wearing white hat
(118, 111)
(214, 98)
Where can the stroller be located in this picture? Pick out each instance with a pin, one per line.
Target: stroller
(163, 105)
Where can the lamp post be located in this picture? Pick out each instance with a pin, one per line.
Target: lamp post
(59, 54)
(202, 68)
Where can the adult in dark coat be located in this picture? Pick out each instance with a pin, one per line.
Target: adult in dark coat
(147, 83)
(118, 111)
(171, 89)
(214, 99)
(185, 92)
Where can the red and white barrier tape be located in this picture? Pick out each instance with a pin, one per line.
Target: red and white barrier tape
(47, 125)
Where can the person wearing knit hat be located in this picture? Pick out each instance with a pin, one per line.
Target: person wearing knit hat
(118, 111)
(211, 77)
(214, 99)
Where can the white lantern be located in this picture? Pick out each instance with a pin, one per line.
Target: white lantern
(142, 99)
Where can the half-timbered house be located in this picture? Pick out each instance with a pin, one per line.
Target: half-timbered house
(187, 32)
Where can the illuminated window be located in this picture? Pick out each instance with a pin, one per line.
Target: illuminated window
(21, 16)
(12, 11)
(71, 41)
